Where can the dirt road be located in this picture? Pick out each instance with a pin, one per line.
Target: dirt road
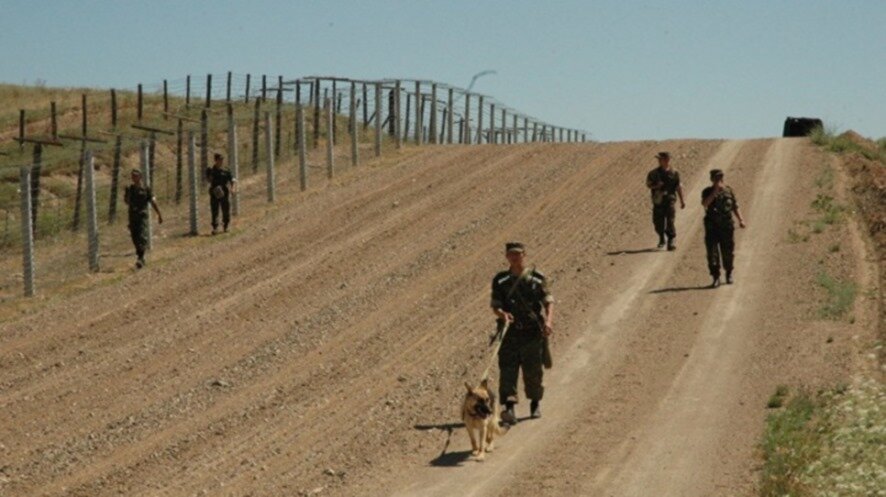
(323, 350)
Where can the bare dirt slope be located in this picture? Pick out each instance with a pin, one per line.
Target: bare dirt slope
(323, 350)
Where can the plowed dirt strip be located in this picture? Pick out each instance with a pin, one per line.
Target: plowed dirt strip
(324, 349)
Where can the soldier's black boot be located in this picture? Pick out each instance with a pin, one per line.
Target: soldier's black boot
(661, 241)
(672, 245)
(535, 409)
(716, 282)
(507, 415)
(728, 277)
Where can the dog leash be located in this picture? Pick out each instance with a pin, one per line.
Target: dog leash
(501, 338)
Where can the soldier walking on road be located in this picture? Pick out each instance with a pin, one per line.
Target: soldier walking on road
(520, 297)
(664, 183)
(720, 204)
(139, 197)
(222, 185)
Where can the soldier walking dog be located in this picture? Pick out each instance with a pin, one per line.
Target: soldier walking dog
(521, 297)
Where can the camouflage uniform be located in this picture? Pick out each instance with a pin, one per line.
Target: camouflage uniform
(523, 345)
(664, 200)
(219, 177)
(719, 229)
(139, 200)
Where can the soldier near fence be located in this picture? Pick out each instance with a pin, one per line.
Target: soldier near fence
(664, 184)
(222, 185)
(140, 198)
(720, 205)
(520, 297)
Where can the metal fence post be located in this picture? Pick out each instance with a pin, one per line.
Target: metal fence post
(378, 121)
(146, 178)
(330, 165)
(27, 232)
(449, 119)
(269, 148)
(192, 183)
(204, 143)
(302, 156)
(233, 159)
(491, 132)
(91, 212)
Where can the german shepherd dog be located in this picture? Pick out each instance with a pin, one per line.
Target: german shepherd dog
(480, 414)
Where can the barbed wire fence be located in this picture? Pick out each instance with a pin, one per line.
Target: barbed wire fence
(60, 177)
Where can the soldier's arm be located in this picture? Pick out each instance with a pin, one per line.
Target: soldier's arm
(737, 212)
(708, 197)
(680, 194)
(651, 184)
(497, 303)
(157, 210)
(126, 195)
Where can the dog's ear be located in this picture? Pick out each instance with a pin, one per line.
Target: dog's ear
(469, 387)
(485, 384)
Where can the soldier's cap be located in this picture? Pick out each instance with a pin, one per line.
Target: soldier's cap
(515, 247)
(717, 173)
(663, 155)
(136, 171)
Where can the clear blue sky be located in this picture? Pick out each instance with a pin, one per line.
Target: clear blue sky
(620, 70)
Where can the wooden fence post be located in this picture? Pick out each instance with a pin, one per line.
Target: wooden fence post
(256, 115)
(140, 103)
(365, 106)
(179, 151)
(188, 92)
(27, 231)
(192, 183)
(228, 89)
(302, 156)
(316, 98)
(165, 100)
(208, 90)
(115, 178)
(397, 135)
(248, 82)
(264, 87)
(113, 108)
(269, 149)
(54, 121)
(35, 182)
(491, 138)
(330, 139)
(432, 127)
(378, 121)
(449, 118)
(278, 118)
(504, 126)
(233, 159)
(79, 194)
(204, 143)
(418, 117)
(354, 127)
(91, 213)
(466, 126)
(480, 130)
(146, 174)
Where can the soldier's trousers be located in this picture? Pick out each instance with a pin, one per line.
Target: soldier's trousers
(224, 204)
(521, 349)
(138, 230)
(663, 218)
(720, 244)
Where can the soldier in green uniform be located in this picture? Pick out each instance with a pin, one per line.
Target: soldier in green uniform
(520, 297)
(720, 205)
(139, 197)
(221, 185)
(664, 183)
